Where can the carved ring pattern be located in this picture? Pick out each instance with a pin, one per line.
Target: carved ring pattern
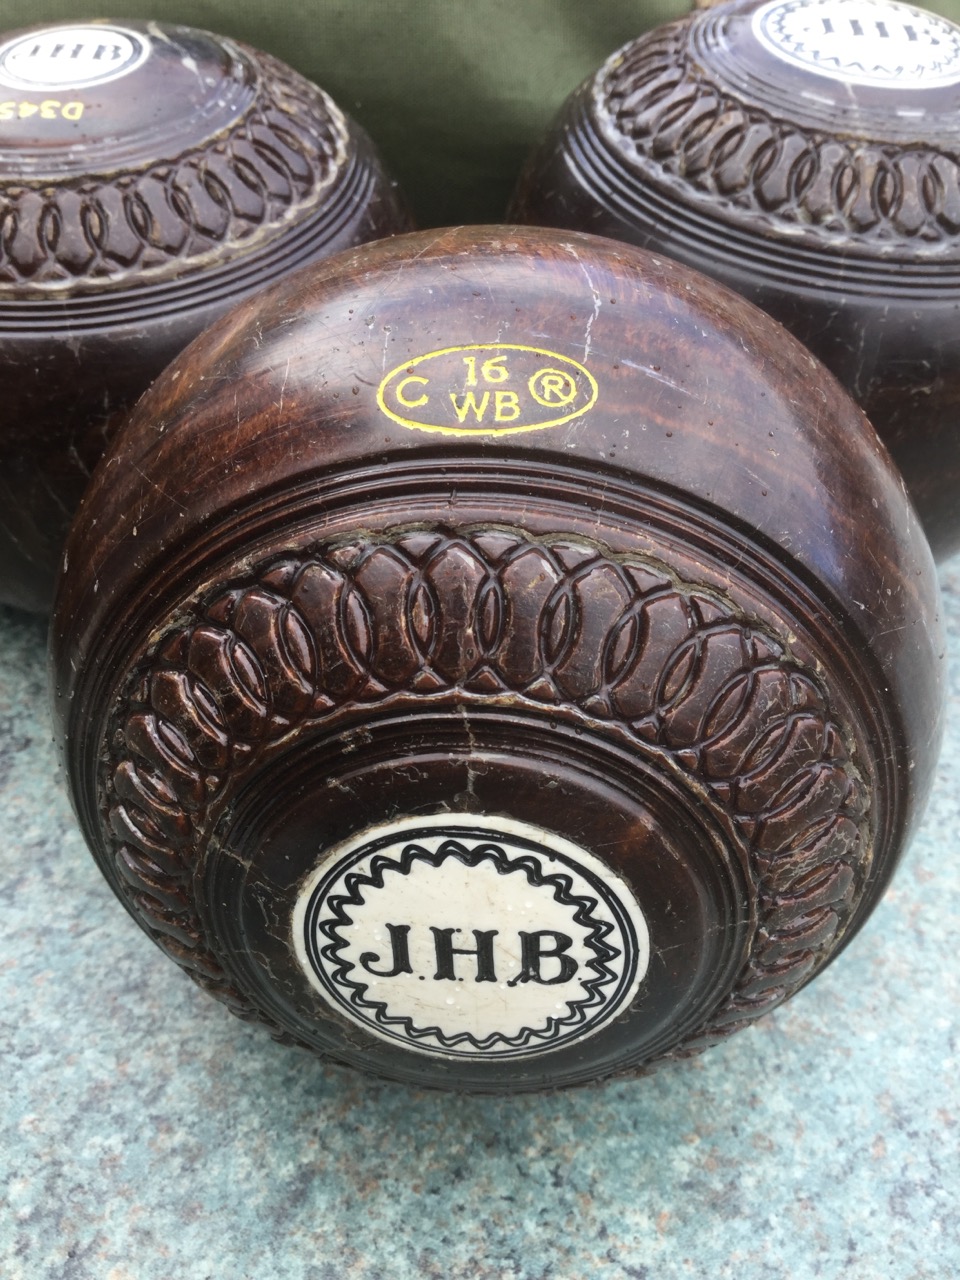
(430, 616)
(670, 118)
(160, 219)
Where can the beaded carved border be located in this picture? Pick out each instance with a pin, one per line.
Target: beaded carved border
(431, 617)
(162, 219)
(667, 116)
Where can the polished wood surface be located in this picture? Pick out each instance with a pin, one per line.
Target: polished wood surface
(830, 200)
(137, 206)
(518, 530)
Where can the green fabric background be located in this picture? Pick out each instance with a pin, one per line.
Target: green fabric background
(454, 92)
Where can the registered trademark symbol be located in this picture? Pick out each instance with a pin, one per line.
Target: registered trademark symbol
(553, 388)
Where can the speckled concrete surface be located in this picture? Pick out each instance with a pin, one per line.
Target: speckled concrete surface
(147, 1135)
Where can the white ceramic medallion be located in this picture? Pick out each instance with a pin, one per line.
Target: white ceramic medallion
(471, 936)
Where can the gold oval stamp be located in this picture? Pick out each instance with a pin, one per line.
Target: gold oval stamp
(494, 389)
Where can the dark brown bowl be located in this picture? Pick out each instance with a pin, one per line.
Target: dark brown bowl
(498, 659)
(150, 176)
(783, 150)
